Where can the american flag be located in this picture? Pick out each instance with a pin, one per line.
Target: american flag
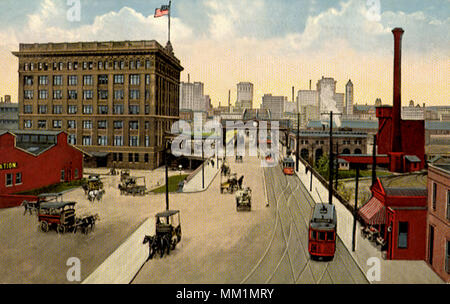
(164, 10)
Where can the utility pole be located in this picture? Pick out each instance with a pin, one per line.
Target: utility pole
(374, 160)
(331, 162)
(336, 175)
(355, 210)
(166, 173)
(203, 167)
(297, 152)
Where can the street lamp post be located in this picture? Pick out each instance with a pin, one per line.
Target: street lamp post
(166, 173)
(331, 163)
(203, 167)
(297, 148)
(355, 210)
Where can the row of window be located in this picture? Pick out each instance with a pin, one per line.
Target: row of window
(89, 65)
(87, 109)
(12, 179)
(72, 80)
(102, 140)
(134, 94)
(132, 157)
(87, 124)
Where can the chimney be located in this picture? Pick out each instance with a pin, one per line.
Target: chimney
(292, 93)
(189, 78)
(397, 102)
(229, 101)
(310, 84)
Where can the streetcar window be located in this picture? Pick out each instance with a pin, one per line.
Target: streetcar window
(330, 236)
(322, 236)
(313, 235)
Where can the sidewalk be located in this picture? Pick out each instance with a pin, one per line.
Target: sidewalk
(391, 271)
(195, 183)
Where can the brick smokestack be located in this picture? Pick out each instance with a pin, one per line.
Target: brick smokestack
(396, 110)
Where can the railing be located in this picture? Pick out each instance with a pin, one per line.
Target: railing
(336, 194)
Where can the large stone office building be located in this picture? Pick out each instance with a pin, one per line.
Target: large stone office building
(114, 99)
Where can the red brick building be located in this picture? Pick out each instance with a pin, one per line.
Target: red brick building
(34, 159)
(400, 216)
(438, 220)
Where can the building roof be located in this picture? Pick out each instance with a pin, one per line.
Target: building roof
(443, 166)
(406, 191)
(353, 124)
(412, 158)
(437, 125)
(33, 147)
(326, 134)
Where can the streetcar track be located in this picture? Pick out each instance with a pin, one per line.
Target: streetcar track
(272, 238)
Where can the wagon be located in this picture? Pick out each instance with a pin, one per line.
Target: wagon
(93, 184)
(230, 185)
(33, 206)
(168, 233)
(130, 186)
(244, 199)
(57, 215)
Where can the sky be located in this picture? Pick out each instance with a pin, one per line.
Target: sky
(273, 44)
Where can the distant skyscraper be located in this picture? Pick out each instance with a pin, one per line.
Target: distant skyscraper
(349, 98)
(244, 95)
(326, 83)
(307, 98)
(276, 105)
(339, 98)
(191, 96)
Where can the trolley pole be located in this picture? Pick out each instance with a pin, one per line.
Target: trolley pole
(356, 208)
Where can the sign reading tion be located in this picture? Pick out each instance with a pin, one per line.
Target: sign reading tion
(7, 166)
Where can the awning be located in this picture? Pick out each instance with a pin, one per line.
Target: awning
(100, 154)
(373, 212)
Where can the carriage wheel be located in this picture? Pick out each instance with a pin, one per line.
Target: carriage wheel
(60, 229)
(161, 248)
(44, 226)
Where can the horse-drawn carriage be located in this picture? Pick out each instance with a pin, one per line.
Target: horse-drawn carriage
(244, 199)
(124, 174)
(168, 233)
(61, 217)
(33, 206)
(93, 188)
(232, 184)
(130, 185)
(239, 159)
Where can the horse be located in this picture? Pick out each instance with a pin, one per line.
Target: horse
(29, 206)
(153, 245)
(86, 223)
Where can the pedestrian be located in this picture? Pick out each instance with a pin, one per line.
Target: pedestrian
(212, 162)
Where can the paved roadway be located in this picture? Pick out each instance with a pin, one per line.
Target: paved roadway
(266, 245)
(286, 258)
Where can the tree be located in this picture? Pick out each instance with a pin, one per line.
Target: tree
(323, 166)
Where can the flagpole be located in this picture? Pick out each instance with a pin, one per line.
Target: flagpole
(170, 2)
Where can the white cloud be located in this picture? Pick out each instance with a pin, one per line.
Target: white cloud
(50, 24)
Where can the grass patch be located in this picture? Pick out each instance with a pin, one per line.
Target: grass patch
(55, 188)
(362, 173)
(173, 184)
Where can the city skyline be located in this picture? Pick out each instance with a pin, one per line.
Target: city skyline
(265, 45)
